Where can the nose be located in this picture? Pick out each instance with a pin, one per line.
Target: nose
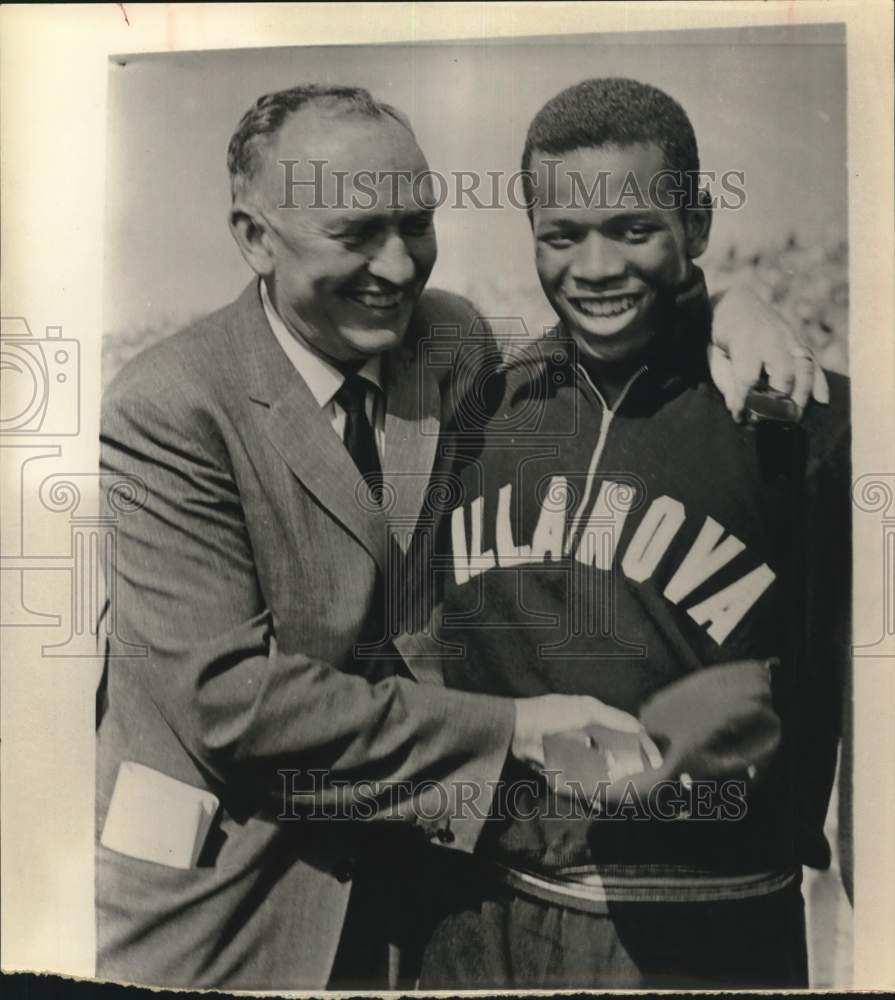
(597, 258)
(392, 262)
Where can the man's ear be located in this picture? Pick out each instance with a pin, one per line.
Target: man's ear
(252, 235)
(698, 223)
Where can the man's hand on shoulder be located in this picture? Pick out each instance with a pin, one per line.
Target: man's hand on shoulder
(749, 339)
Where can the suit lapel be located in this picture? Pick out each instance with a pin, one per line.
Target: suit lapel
(411, 437)
(307, 443)
(311, 448)
(303, 436)
(300, 430)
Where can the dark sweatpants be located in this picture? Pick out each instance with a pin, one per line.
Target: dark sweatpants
(512, 941)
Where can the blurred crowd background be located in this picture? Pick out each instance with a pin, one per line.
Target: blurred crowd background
(808, 284)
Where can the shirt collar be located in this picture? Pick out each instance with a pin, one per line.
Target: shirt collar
(322, 376)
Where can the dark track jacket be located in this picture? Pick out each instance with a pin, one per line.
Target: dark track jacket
(613, 552)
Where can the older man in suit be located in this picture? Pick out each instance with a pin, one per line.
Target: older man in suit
(285, 443)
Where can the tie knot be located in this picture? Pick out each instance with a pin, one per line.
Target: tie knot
(352, 394)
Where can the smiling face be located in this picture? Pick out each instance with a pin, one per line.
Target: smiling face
(607, 267)
(346, 266)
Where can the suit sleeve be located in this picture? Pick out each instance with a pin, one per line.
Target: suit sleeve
(185, 587)
(826, 569)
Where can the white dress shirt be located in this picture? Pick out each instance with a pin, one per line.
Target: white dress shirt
(324, 379)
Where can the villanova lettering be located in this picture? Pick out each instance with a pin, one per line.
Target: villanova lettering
(594, 543)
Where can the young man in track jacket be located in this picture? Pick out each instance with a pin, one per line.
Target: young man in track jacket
(614, 533)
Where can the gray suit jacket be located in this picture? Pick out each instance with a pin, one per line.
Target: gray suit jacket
(241, 586)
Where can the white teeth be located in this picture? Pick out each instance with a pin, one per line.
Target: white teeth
(606, 307)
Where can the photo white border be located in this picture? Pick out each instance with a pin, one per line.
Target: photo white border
(53, 78)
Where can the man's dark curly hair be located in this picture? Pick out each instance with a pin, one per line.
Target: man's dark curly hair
(260, 124)
(612, 111)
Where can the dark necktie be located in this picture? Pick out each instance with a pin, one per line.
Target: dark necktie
(375, 656)
(360, 440)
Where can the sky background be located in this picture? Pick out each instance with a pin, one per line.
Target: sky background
(768, 101)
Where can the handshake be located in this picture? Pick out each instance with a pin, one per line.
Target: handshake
(716, 723)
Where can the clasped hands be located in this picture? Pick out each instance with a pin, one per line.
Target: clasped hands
(718, 723)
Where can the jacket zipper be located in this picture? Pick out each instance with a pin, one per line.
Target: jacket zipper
(608, 415)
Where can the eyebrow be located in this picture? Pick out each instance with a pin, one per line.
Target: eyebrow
(621, 216)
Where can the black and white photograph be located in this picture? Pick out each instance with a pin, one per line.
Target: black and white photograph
(470, 596)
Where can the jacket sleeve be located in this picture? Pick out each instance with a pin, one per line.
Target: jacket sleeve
(185, 587)
(826, 571)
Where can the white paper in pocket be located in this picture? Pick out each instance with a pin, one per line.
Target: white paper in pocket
(153, 817)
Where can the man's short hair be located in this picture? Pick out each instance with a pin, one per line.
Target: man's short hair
(260, 124)
(613, 111)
